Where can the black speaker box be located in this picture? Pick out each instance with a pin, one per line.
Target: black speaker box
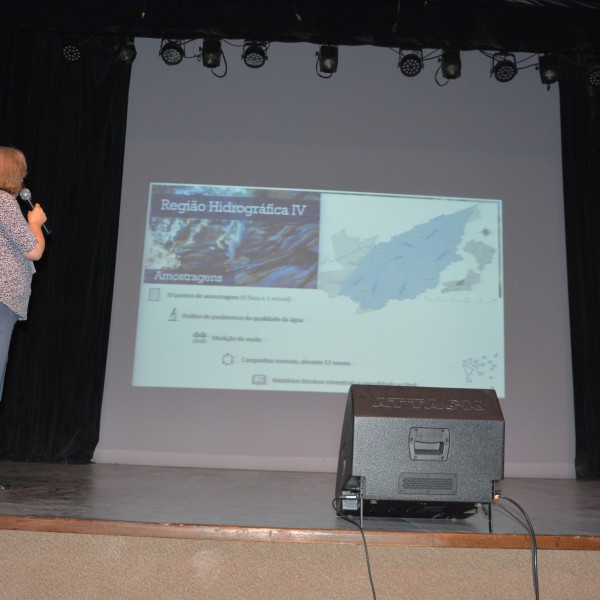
(419, 447)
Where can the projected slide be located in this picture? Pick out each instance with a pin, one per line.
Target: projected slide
(312, 290)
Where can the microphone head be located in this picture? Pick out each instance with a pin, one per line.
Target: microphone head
(25, 194)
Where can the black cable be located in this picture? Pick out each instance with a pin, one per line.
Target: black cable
(225, 65)
(435, 77)
(529, 528)
(362, 533)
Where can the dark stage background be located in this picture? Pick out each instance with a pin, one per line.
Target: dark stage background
(70, 120)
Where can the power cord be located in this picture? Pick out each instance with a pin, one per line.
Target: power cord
(362, 533)
(529, 528)
(498, 496)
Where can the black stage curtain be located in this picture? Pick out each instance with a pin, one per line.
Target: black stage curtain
(69, 119)
(580, 123)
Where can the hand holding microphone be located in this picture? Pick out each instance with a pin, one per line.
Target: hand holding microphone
(25, 195)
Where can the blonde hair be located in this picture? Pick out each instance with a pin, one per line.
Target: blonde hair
(13, 168)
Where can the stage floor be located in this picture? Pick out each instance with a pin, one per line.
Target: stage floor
(274, 506)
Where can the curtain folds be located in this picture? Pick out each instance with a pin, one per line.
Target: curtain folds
(69, 119)
(580, 125)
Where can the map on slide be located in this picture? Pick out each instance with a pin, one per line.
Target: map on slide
(412, 262)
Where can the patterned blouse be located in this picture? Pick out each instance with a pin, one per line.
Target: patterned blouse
(16, 240)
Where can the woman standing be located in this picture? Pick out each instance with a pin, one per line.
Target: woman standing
(21, 242)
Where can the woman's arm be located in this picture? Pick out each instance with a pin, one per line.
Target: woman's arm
(36, 218)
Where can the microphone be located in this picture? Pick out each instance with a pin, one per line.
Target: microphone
(25, 195)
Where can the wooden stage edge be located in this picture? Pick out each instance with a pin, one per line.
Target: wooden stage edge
(305, 536)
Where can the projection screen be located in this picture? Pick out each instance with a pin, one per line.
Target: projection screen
(283, 236)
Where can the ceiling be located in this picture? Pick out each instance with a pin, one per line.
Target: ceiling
(511, 25)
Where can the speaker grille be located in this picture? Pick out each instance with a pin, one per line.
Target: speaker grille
(427, 483)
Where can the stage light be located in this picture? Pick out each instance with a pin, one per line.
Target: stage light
(593, 75)
(504, 67)
(328, 59)
(254, 54)
(211, 53)
(451, 65)
(71, 51)
(171, 52)
(125, 51)
(548, 67)
(411, 64)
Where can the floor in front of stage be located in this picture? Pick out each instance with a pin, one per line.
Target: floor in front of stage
(276, 506)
